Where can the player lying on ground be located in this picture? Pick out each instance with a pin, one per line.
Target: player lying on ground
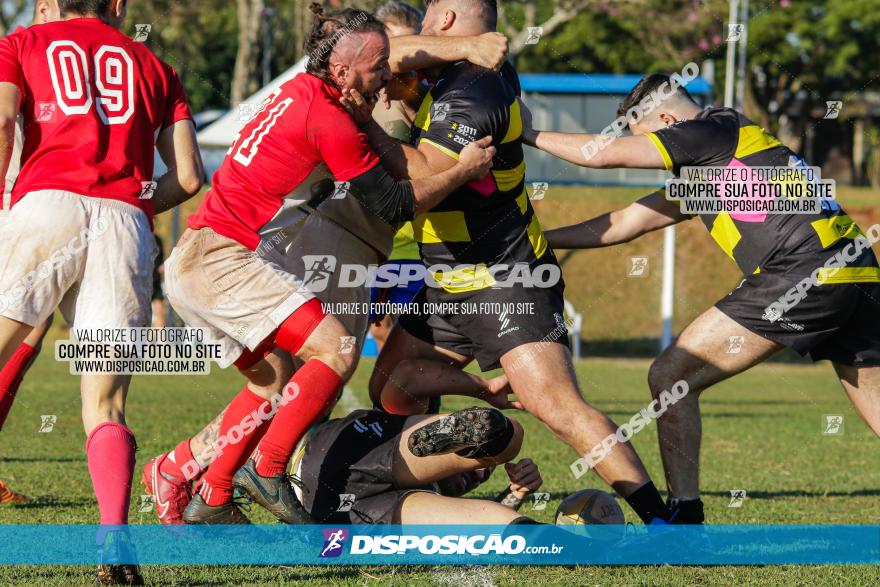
(230, 274)
(371, 467)
(837, 318)
(89, 189)
(338, 228)
(17, 366)
(480, 228)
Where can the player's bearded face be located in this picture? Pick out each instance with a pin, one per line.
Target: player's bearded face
(368, 71)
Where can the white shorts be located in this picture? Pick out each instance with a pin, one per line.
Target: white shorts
(92, 257)
(240, 297)
(237, 296)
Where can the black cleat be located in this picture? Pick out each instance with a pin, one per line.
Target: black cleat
(199, 512)
(273, 493)
(461, 430)
(117, 566)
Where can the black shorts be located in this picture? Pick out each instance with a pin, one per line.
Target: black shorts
(353, 455)
(837, 322)
(488, 323)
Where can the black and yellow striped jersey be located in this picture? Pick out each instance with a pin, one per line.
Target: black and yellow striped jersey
(791, 244)
(489, 222)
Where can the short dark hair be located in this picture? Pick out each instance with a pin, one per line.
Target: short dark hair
(328, 29)
(401, 14)
(646, 85)
(84, 7)
(489, 7)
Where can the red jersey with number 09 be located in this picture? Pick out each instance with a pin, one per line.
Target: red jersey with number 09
(93, 103)
(298, 137)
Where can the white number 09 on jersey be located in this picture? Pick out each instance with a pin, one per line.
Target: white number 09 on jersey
(114, 74)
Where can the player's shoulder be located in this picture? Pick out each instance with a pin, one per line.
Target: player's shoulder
(319, 97)
(470, 81)
(721, 118)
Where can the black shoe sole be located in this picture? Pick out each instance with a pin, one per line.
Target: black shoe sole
(460, 430)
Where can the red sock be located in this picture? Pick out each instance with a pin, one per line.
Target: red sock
(243, 412)
(181, 464)
(317, 386)
(110, 451)
(11, 376)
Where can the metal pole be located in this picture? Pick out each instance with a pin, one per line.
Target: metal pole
(741, 58)
(667, 298)
(730, 68)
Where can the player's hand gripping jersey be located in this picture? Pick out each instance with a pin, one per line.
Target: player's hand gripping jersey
(93, 103)
(484, 223)
(793, 245)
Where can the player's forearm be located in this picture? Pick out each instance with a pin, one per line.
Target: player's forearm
(603, 231)
(432, 189)
(410, 53)
(401, 160)
(567, 146)
(173, 190)
(415, 382)
(7, 140)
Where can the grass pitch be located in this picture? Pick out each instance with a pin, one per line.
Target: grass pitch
(762, 433)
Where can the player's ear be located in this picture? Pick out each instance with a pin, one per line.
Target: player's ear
(668, 118)
(338, 72)
(448, 20)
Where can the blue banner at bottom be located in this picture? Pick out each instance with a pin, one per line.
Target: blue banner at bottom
(441, 544)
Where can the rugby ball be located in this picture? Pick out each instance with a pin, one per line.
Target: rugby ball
(591, 507)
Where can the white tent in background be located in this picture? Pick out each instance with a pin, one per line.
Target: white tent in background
(221, 133)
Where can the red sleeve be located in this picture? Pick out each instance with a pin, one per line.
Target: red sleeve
(177, 109)
(341, 144)
(10, 68)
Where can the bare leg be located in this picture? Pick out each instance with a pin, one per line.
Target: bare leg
(862, 385)
(103, 399)
(35, 338)
(423, 507)
(543, 379)
(266, 378)
(12, 334)
(402, 346)
(701, 358)
(411, 471)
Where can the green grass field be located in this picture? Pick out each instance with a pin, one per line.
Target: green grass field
(762, 434)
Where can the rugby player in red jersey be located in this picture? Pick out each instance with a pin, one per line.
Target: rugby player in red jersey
(94, 104)
(779, 254)
(24, 356)
(229, 273)
(337, 228)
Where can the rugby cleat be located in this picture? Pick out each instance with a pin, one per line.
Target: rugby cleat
(117, 548)
(11, 497)
(273, 493)
(171, 494)
(199, 512)
(459, 431)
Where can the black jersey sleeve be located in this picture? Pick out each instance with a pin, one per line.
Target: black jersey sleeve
(699, 142)
(393, 201)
